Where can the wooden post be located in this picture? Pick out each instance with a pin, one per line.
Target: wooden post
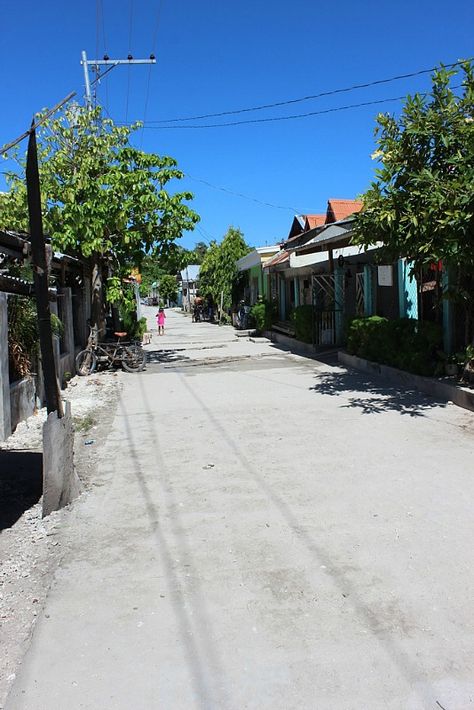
(40, 274)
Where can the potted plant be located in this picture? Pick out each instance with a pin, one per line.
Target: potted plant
(451, 365)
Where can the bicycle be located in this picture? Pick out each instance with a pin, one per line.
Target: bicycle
(130, 356)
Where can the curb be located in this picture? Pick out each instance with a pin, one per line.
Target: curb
(461, 396)
(295, 346)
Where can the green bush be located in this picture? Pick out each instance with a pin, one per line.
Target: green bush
(134, 328)
(262, 314)
(404, 343)
(302, 319)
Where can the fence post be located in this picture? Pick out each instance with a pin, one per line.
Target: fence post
(448, 313)
(368, 290)
(338, 304)
(407, 291)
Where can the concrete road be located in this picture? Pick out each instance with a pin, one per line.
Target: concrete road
(267, 532)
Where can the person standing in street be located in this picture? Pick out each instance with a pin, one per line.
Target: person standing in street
(160, 319)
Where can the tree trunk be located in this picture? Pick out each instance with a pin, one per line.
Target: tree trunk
(97, 306)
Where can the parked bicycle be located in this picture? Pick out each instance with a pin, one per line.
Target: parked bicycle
(129, 355)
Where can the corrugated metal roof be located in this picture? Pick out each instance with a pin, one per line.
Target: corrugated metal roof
(278, 259)
(335, 232)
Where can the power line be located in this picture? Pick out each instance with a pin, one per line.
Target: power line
(322, 94)
(293, 116)
(207, 237)
(240, 194)
(279, 118)
(153, 49)
(130, 29)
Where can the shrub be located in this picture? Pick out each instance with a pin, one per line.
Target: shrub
(404, 343)
(263, 315)
(302, 319)
(134, 328)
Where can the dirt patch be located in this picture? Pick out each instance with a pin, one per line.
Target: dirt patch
(31, 548)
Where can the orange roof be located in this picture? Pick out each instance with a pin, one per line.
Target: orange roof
(340, 209)
(314, 220)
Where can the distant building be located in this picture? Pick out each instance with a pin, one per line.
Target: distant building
(189, 278)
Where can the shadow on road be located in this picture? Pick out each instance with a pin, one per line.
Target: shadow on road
(194, 624)
(21, 484)
(406, 664)
(166, 356)
(372, 396)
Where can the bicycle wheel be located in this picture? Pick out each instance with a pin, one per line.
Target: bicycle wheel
(133, 358)
(86, 362)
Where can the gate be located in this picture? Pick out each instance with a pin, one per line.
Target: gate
(328, 306)
(360, 294)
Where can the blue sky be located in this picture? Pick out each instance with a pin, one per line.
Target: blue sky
(215, 57)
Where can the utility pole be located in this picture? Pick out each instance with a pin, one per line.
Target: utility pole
(41, 277)
(110, 63)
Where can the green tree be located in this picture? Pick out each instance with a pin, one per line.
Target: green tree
(199, 252)
(102, 198)
(421, 205)
(218, 276)
(168, 288)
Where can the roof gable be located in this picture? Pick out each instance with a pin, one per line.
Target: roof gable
(340, 209)
(314, 220)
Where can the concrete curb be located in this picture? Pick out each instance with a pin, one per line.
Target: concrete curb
(296, 346)
(462, 396)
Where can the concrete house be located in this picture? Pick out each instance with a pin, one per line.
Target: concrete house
(189, 284)
(70, 300)
(290, 278)
(257, 281)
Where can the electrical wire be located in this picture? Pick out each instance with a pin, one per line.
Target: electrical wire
(322, 94)
(271, 119)
(97, 23)
(130, 30)
(104, 43)
(240, 194)
(148, 83)
(278, 118)
(207, 237)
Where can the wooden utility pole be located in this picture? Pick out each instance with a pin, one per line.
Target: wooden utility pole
(40, 275)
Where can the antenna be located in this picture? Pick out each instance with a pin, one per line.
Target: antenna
(106, 61)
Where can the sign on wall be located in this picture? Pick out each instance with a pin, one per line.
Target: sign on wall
(385, 275)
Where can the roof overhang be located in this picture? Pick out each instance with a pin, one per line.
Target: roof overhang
(256, 257)
(336, 234)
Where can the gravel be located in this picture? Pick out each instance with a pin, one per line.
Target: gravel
(32, 547)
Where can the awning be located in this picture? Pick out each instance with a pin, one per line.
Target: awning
(333, 234)
(281, 259)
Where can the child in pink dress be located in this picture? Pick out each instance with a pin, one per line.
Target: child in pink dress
(160, 319)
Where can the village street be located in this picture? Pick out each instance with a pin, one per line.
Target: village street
(267, 532)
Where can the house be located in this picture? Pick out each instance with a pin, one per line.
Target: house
(187, 291)
(70, 300)
(290, 279)
(256, 280)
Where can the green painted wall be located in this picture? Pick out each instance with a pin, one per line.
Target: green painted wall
(256, 272)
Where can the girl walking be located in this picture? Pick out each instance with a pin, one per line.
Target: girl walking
(160, 320)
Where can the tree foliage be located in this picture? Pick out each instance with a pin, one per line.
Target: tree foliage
(421, 205)
(199, 252)
(168, 288)
(101, 195)
(218, 276)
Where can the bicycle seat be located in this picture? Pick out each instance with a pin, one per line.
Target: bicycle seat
(120, 335)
